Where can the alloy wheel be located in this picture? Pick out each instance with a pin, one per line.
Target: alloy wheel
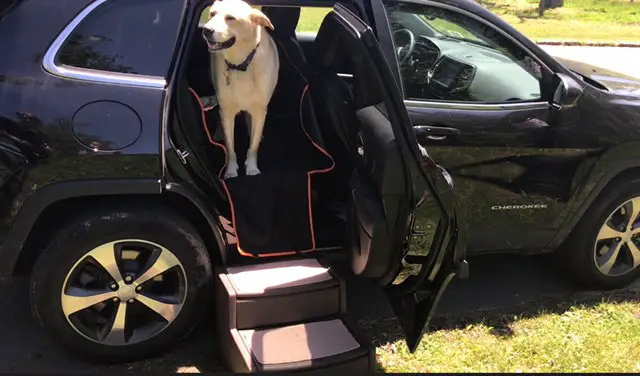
(617, 248)
(124, 292)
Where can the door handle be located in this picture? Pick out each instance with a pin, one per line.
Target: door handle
(435, 132)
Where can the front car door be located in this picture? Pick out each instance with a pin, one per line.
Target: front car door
(480, 103)
(406, 234)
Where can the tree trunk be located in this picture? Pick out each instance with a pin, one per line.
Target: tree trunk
(541, 8)
(549, 4)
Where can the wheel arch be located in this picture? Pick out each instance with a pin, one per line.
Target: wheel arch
(39, 216)
(619, 164)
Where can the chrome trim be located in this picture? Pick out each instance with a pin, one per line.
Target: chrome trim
(345, 75)
(91, 75)
(349, 24)
(475, 106)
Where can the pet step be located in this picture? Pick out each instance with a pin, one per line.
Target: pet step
(322, 346)
(278, 293)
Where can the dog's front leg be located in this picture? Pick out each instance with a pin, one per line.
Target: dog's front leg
(258, 118)
(228, 125)
(247, 122)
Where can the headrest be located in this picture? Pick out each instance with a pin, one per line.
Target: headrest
(284, 19)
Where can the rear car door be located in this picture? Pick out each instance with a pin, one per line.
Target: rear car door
(405, 231)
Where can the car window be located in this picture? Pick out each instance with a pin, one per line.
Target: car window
(311, 18)
(126, 36)
(446, 56)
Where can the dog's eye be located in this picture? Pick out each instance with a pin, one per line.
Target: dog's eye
(212, 14)
(229, 18)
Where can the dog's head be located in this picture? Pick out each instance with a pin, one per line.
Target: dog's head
(232, 20)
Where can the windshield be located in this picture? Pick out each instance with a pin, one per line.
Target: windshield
(451, 30)
(437, 23)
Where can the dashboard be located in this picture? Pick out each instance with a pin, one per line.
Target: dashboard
(446, 68)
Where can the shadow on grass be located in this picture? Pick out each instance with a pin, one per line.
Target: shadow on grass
(384, 331)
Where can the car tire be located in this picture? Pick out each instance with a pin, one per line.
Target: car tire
(157, 313)
(586, 258)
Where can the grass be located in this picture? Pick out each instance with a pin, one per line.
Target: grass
(578, 20)
(599, 337)
(311, 18)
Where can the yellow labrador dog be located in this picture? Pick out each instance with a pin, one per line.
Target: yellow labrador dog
(244, 68)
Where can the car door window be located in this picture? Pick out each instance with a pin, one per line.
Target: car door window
(446, 56)
(126, 36)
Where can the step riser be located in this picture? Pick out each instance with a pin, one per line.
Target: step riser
(240, 361)
(280, 310)
(277, 310)
(239, 358)
(286, 317)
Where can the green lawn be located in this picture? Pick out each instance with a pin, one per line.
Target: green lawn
(600, 337)
(579, 20)
(311, 18)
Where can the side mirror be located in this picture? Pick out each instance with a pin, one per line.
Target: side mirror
(568, 90)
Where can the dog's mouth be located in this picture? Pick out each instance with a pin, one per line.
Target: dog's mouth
(219, 46)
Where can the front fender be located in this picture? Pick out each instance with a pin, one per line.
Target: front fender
(615, 163)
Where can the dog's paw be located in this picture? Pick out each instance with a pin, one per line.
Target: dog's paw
(231, 173)
(252, 171)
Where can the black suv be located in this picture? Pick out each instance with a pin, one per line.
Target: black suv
(113, 202)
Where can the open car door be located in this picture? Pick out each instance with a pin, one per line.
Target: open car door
(404, 226)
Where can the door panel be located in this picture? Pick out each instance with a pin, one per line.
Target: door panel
(379, 196)
(396, 189)
(514, 182)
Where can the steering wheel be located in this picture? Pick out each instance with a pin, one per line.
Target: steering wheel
(404, 52)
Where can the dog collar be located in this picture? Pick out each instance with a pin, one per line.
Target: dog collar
(242, 67)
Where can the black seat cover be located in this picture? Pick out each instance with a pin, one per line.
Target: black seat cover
(273, 213)
(199, 67)
(294, 72)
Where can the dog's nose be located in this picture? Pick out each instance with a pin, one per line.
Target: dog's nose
(207, 34)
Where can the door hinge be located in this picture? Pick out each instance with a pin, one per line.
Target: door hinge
(183, 154)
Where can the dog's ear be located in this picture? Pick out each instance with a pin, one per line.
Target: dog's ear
(259, 18)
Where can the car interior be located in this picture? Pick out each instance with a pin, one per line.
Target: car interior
(446, 57)
(327, 155)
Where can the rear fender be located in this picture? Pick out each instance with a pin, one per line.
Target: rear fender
(39, 201)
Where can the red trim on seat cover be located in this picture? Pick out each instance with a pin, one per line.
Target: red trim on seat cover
(309, 174)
